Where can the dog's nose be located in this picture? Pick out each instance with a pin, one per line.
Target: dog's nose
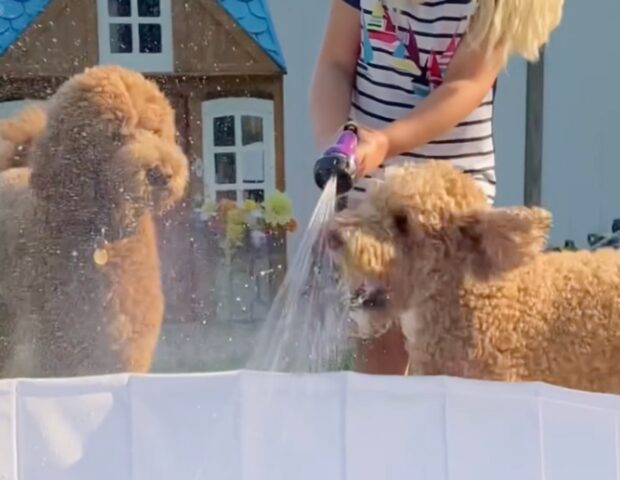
(334, 239)
(156, 177)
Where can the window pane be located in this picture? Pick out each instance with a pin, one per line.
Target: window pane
(254, 166)
(150, 38)
(256, 195)
(119, 8)
(225, 194)
(251, 129)
(225, 168)
(224, 131)
(120, 38)
(148, 8)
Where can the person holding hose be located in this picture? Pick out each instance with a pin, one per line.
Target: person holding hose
(418, 77)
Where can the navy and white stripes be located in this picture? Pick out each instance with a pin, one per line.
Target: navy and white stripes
(404, 55)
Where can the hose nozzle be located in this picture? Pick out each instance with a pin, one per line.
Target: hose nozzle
(339, 161)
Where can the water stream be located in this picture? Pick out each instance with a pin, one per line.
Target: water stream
(306, 328)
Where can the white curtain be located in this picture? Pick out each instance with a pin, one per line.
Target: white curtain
(251, 426)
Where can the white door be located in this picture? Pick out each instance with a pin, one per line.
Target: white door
(238, 148)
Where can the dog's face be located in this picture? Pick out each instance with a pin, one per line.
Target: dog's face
(108, 152)
(424, 228)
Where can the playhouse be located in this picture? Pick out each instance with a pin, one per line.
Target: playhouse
(220, 64)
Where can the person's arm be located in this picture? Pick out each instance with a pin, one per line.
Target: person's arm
(332, 84)
(470, 76)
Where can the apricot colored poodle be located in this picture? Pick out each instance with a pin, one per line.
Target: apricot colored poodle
(471, 287)
(80, 288)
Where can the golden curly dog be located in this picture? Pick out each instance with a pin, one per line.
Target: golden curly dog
(80, 289)
(471, 287)
(17, 134)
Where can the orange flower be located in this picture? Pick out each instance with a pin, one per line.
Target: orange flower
(291, 226)
(225, 206)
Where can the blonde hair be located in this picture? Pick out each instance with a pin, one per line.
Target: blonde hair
(519, 27)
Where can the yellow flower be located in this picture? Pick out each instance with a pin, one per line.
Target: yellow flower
(235, 227)
(278, 209)
(250, 205)
(209, 207)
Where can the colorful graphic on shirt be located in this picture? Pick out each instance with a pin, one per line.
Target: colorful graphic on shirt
(380, 28)
(407, 55)
(367, 53)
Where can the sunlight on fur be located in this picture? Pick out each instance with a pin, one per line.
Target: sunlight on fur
(471, 286)
(100, 163)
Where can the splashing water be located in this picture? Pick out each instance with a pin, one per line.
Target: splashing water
(307, 325)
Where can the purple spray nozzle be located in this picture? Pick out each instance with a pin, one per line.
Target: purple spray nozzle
(338, 161)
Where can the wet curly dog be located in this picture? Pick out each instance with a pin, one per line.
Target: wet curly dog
(471, 287)
(17, 134)
(80, 289)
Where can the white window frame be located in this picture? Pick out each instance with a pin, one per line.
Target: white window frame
(142, 62)
(238, 107)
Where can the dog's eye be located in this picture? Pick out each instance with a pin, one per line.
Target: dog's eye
(401, 223)
(156, 177)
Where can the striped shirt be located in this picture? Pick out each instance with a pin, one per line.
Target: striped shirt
(404, 55)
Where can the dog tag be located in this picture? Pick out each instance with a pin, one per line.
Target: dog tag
(100, 256)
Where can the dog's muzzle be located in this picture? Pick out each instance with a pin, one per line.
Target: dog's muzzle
(369, 299)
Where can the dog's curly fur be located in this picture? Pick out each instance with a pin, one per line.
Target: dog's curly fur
(17, 134)
(105, 162)
(472, 288)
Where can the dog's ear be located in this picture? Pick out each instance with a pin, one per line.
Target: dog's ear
(496, 241)
(17, 133)
(106, 91)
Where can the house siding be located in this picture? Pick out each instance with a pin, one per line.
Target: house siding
(581, 168)
(62, 41)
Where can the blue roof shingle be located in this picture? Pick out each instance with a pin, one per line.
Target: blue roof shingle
(15, 17)
(254, 17)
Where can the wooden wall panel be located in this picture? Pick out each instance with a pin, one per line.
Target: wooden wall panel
(207, 41)
(278, 106)
(62, 41)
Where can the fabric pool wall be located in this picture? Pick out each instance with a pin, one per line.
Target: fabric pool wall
(250, 426)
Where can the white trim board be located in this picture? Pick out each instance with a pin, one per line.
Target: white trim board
(238, 107)
(142, 62)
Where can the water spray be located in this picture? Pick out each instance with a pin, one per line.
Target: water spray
(339, 161)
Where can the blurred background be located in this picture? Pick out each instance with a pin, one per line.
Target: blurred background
(238, 74)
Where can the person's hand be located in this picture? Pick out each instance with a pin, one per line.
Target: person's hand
(372, 150)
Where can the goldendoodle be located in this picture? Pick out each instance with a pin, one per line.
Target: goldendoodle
(80, 289)
(17, 134)
(471, 287)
